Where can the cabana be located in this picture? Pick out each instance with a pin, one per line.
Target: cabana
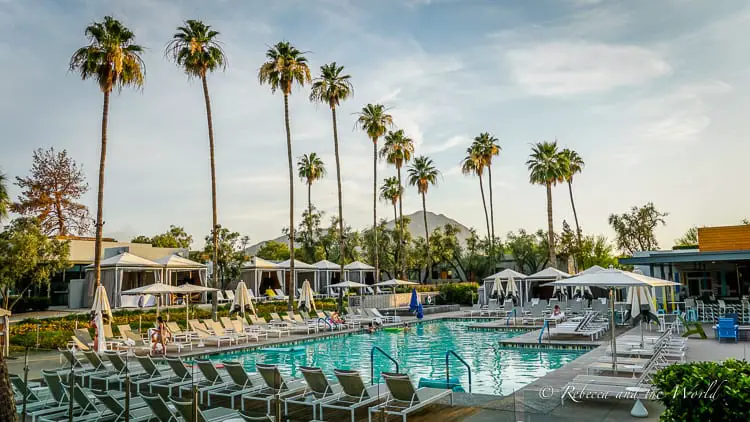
(179, 270)
(123, 271)
(261, 275)
(546, 275)
(302, 271)
(498, 278)
(328, 273)
(361, 272)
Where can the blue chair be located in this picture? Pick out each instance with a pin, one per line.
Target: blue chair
(727, 328)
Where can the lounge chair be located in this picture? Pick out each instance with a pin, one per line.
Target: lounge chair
(114, 375)
(217, 414)
(254, 331)
(355, 395)
(386, 318)
(229, 295)
(243, 385)
(261, 322)
(275, 385)
(138, 411)
(84, 337)
(301, 324)
(318, 390)
(34, 395)
(84, 411)
(111, 341)
(179, 334)
(167, 387)
(220, 297)
(280, 294)
(221, 333)
(205, 336)
(404, 398)
(161, 412)
(57, 400)
(211, 379)
(151, 375)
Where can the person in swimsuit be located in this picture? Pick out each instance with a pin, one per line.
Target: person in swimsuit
(160, 336)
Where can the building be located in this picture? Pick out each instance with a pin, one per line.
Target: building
(718, 267)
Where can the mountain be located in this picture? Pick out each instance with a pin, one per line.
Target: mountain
(416, 228)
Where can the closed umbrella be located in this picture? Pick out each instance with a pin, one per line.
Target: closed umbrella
(512, 290)
(242, 302)
(306, 299)
(101, 313)
(414, 302)
(638, 297)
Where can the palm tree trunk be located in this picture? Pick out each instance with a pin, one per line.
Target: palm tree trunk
(484, 203)
(427, 238)
(398, 257)
(492, 216)
(375, 205)
(338, 184)
(100, 193)
(578, 228)
(401, 255)
(550, 228)
(290, 282)
(7, 401)
(215, 226)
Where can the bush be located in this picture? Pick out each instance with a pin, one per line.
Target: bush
(457, 293)
(703, 391)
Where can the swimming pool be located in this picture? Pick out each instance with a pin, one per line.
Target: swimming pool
(420, 352)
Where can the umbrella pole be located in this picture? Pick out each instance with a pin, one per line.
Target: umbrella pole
(612, 324)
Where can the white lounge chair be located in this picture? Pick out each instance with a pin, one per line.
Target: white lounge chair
(403, 398)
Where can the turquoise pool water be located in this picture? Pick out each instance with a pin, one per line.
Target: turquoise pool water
(420, 352)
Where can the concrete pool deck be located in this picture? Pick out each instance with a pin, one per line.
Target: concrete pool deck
(538, 401)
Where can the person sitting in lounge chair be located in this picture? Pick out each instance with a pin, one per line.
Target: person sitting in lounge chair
(558, 314)
(335, 317)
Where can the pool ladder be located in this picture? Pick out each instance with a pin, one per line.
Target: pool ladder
(541, 334)
(372, 362)
(448, 369)
(511, 313)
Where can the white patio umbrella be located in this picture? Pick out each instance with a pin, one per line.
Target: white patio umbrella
(637, 297)
(156, 289)
(512, 287)
(498, 287)
(100, 308)
(611, 279)
(187, 290)
(393, 283)
(242, 300)
(306, 298)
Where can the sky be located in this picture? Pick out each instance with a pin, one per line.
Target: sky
(652, 95)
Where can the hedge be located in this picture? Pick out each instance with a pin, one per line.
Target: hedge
(702, 391)
(457, 293)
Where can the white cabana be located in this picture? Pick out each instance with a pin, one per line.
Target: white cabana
(505, 274)
(123, 271)
(302, 271)
(179, 270)
(261, 275)
(361, 272)
(328, 273)
(592, 270)
(547, 274)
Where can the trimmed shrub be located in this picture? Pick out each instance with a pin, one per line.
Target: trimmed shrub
(457, 293)
(702, 391)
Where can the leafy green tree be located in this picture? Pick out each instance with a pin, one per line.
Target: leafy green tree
(4, 197)
(568, 245)
(445, 248)
(285, 66)
(488, 147)
(331, 88)
(374, 120)
(546, 169)
(596, 250)
(175, 237)
(530, 250)
(474, 163)
(28, 258)
(422, 174)
(309, 235)
(690, 238)
(635, 229)
(114, 61)
(51, 194)
(310, 168)
(387, 248)
(231, 255)
(273, 251)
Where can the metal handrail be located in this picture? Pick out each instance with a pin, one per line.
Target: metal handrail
(447, 367)
(512, 312)
(546, 325)
(372, 362)
(326, 322)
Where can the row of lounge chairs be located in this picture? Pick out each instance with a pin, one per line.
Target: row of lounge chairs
(164, 392)
(591, 325)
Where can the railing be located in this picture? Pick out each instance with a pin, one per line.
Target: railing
(330, 327)
(511, 313)
(372, 362)
(545, 326)
(447, 367)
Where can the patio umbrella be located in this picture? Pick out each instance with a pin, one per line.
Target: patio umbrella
(188, 289)
(611, 279)
(393, 283)
(512, 290)
(101, 314)
(242, 302)
(414, 302)
(498, 288)
(306, 299)
(156, 289)
(346, 284)
(636, 298)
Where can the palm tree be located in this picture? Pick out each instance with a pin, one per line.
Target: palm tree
(285, 66)
(391, 190)
(114, 60)
(310, 168)
(573, 164)
(545, 168)
(474, 163)
(374, 120)
(195, 49)
(422, 174)
(489, 148)
(331, 88)
(397, 150)
(4, 197)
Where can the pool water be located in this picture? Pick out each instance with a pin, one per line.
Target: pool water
(420, 352)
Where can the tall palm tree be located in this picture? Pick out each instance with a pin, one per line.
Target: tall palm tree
(331, 88)
(545, 168)
(4, 197)
(374, 120)
(474, 163)
(285, 66)
(310, 168)
(114, 60)
(391, 190)
(397, 150)
(489, 148)
(195, 49)
(573, 164)
(422, 174)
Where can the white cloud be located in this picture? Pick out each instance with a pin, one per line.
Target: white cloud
(449, 143)
(569, 68)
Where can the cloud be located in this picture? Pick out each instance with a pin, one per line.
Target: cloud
(448, 144)
(570, 68)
